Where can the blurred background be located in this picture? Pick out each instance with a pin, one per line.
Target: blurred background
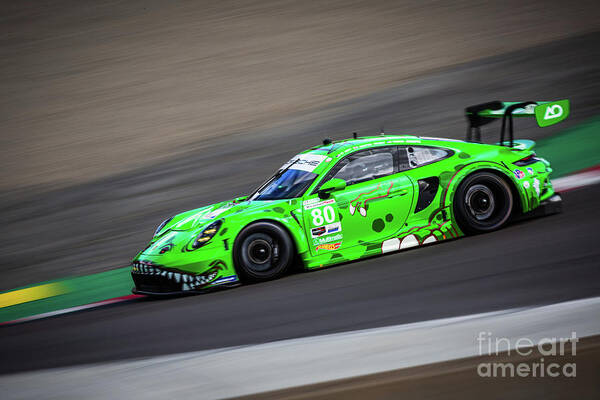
(117, 114)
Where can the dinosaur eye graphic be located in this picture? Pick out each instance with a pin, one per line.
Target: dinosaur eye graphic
(165, 248)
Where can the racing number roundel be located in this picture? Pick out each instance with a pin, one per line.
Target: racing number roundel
(324, 224)
(322, 215)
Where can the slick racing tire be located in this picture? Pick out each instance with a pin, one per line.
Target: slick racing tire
(262, 251)
(483, 203)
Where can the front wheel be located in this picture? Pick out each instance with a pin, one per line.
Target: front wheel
(482, 203)
(262, 251)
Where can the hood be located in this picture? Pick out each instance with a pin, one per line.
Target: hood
(187, 225)
(200, 217)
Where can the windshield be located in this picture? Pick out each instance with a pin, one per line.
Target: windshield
(285, 184)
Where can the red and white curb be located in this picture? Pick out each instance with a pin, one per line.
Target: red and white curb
(586, 177)
(102, 303)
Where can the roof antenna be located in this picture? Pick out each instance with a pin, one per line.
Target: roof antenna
(382, 132)
(354, 135)
(326, 141)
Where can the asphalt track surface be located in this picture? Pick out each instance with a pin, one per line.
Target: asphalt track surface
(539, 261)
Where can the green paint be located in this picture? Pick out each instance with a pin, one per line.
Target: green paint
(378, 225)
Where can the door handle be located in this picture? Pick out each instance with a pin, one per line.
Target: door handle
(399, 192)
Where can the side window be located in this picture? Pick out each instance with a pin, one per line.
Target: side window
(363, 166)
(416, 156)
(403, 163)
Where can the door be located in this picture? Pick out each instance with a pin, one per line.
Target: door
(374, 205)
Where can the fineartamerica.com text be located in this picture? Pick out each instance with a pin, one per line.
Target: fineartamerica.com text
(537, 367)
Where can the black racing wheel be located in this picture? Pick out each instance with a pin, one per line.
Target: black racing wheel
(262, 251)
(483, 202)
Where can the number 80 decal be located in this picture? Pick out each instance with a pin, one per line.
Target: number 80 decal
(323, 215)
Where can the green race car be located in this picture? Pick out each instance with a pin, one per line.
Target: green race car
(357, 198)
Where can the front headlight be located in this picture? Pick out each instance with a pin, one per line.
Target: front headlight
(162, 225)
(207, 234)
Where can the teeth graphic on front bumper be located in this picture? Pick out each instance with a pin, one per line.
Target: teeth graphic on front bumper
(187, 281)
(202, 280)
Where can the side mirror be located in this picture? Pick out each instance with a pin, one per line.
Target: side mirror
(240, 199)
(332, 185)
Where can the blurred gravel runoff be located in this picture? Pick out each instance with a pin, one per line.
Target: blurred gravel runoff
(115, 115)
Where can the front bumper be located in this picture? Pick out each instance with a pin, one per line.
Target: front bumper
(158, 280)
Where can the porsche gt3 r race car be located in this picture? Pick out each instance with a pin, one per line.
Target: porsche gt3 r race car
(357, 198)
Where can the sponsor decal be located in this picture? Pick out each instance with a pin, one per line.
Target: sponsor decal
(357, 147)
(315, 203)
(321, 230)
(214, 214)
(530, 170)
(519, 174)
(326, 229)
(329, 246)
(226, 279)
(305, 162)
(327, 239)
(334, 229)
(526, 184)
(438, 138)
(536, 186)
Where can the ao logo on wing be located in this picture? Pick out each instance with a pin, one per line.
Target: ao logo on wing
(551, 113)
(554, 111)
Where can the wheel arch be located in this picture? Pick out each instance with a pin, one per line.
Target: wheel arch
(520, 200)
(296, 234)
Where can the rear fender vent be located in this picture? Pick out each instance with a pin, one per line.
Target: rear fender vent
(428, 188)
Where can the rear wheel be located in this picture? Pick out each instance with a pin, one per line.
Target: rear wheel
(482, 203)
(262, 251)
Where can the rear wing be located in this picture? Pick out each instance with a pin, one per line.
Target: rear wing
(546, 113)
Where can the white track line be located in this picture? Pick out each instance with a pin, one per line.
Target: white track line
(74, 309)
(586, 177)
(253, 369)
